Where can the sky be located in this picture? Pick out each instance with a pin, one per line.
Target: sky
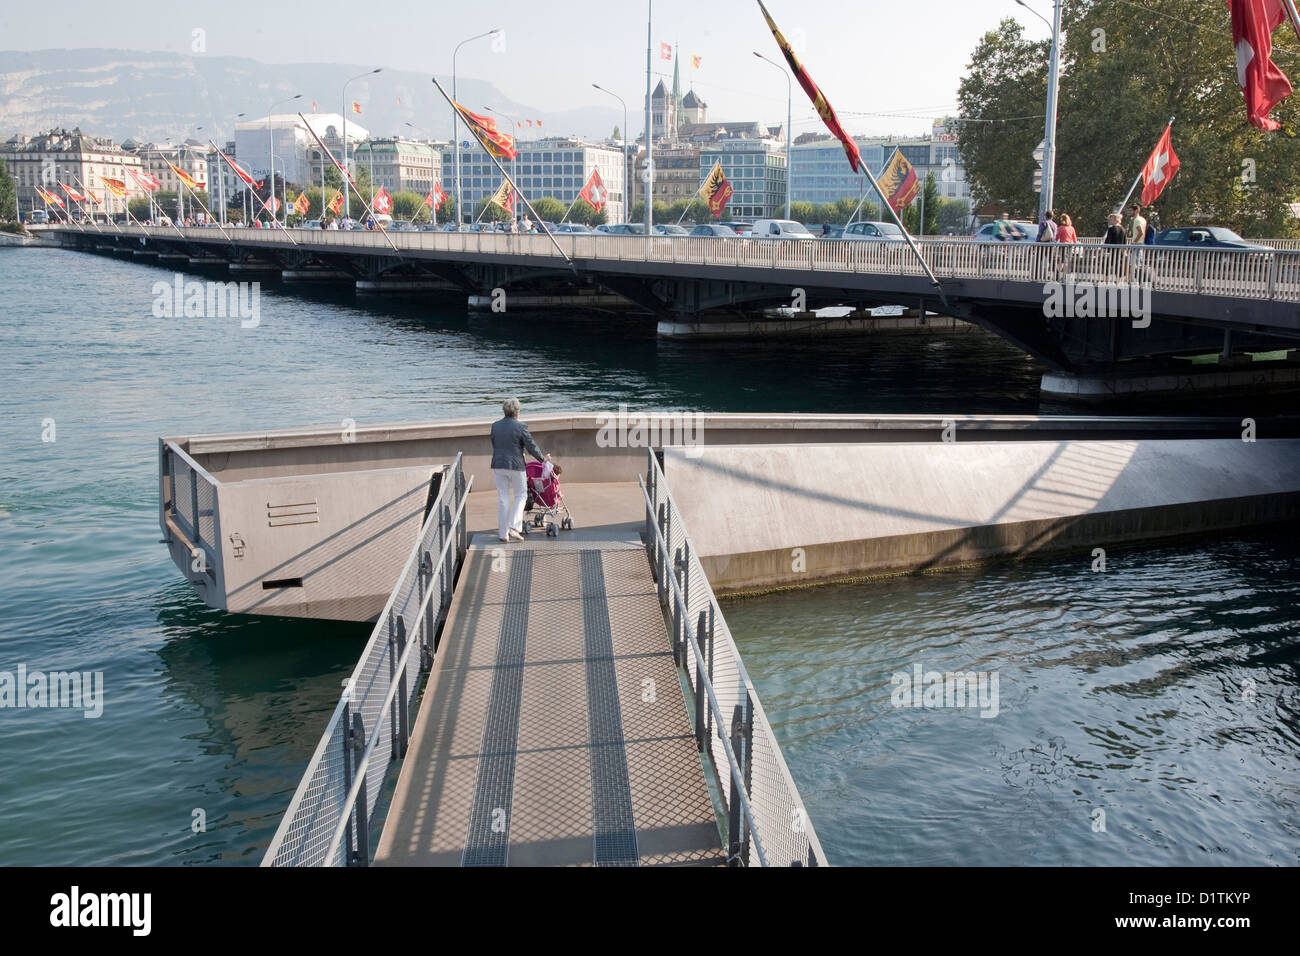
(886, 66)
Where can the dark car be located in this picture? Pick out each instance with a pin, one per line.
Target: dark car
(713, 229)
(741, 228)
(1207, 237)
(670, 229)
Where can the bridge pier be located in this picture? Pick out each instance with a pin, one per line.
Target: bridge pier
(1221, 380)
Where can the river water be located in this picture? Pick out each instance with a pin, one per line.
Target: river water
(1162, 693)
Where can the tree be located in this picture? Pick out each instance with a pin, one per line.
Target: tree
(585, 214)
(1001, 99)
(410, 206)
(912, 214)
(8, 194)
(616, 134)
(485, 209)
(551, 209)
(1125, 69)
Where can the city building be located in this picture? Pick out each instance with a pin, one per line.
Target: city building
(677, 173)
(74, 159)
(398, 164)
(821, 173)
(556, 166)
(296, 154)
(756, 170)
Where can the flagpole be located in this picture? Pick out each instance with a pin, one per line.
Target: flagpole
(1292, 15)
(907, 236)
(1120, 207)
(127, 202)
(81, 205)
(347, 177)
(87, 191)
(205, 209)
(501, 169)
(253, 193)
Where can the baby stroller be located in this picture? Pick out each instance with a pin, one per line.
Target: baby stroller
(546, 499)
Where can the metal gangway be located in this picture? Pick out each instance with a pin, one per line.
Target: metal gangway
(751, 806)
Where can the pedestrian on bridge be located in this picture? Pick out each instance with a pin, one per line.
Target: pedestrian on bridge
(510, 439)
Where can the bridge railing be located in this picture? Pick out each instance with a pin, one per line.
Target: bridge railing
(1247, 274)
(328, 819)
(766, 822)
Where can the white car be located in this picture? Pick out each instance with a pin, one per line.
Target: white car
(779, 229)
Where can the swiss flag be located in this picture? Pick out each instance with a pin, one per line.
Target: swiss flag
(1262, 83)
(383, 202)
(665, 51)
(595, 192)
(1160, 168)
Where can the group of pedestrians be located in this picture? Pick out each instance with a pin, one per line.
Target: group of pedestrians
(1139, 231)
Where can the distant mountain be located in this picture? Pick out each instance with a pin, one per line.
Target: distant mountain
(159, 96)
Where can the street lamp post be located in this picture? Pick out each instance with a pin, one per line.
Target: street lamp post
(347, 192)
(270, 147)
(627, 173)
(455, 118)
(433, 210)
(789, 132)
(1049, 125)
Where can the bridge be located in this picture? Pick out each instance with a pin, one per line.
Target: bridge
(585, 704)
(1231, 302)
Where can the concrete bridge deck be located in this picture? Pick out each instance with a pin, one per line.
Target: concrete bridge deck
(537, 744)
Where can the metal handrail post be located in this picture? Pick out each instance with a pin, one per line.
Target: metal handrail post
(403, 700)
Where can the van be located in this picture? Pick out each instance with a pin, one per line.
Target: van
(779, 229)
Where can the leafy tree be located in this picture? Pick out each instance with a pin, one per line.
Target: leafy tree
(1002, 97)
(551, 209)
(912, 214)
(583, 213)
(616, 134)
(410, 206)
(140, 208)
(1126, 68)
(8, 193)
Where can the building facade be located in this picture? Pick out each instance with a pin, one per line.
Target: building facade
(74, 159)
(821, 172)
(555, 166)
(284, 139)
(756, 169)
(403, 165)
(677, 173)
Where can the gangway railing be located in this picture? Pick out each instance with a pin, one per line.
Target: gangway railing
(766, 821)
(328, 822)
(187, 507)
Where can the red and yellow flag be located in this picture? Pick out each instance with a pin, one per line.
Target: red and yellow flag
(356, 107)
(92, 197)
(302, 205)
(185, 177)
(505, 198)
(115, 186)
(824, 109)
(716, 190)
(72, 193)
(50, 198)
(499, 144)
(898, 181)
(336, 204)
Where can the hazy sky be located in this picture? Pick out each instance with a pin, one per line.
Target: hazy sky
(870, 57)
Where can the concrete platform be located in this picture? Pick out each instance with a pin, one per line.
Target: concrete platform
(552, 730)
(796, 515)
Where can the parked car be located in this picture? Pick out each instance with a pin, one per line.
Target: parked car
(1006, 230)
(670, 229)
(623, 229)
(713, 230)
(741, 228)
(779, 229)
(873, 231)
(401, 225)
(831, 232)
(574, 228)
(1207, 237)
(312, 224)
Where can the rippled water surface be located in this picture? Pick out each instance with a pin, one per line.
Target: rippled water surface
(1121, 692)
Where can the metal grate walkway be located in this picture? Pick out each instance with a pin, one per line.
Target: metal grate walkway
(553, 730)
